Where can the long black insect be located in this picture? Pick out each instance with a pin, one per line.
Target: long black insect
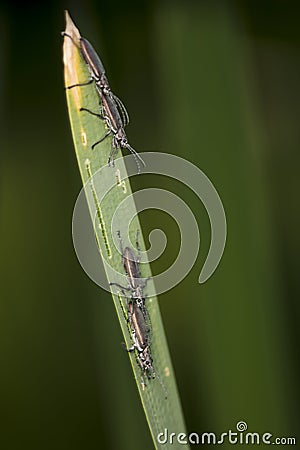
(137, 313)
(97, 74)
(140, 335)
(114, 112)
(136, 284)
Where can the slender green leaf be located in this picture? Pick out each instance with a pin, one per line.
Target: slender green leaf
(161, 413)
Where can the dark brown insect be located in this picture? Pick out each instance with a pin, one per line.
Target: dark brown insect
(114, 112)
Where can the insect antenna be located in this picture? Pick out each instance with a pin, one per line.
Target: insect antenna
(137, 157)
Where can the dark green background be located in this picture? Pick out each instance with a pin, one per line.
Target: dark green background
(218, 84)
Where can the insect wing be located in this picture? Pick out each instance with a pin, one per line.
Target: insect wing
(92, 59)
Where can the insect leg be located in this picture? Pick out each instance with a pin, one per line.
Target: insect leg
(80, 84)
(146, 281)
(100, 116)
(120, 286)
(111, 158)
(102, 139)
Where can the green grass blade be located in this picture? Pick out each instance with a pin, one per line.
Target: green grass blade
(161, 413)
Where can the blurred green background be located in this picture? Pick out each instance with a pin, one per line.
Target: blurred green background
(216, 83)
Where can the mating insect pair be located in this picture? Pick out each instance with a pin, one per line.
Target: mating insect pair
(137, 313)
(112, 110)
